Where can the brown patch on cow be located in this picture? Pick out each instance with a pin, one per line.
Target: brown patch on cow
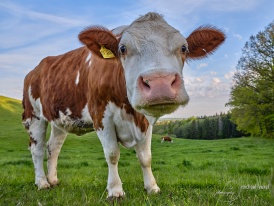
(204, 41)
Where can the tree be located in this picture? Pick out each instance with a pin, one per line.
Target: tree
(252, 95)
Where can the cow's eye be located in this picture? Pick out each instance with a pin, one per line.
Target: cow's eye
(184, 49)
(123, 49)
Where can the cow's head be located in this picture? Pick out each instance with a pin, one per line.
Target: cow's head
(152, 54)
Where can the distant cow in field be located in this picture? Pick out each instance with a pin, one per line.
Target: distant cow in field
(118, 84)
(166, 139)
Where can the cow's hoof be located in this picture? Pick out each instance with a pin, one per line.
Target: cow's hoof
(53, 181)
(116, 195)
(153, 190)
(42, 184)
(115, 199)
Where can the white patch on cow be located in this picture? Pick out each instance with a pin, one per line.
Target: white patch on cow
(68, 112)
(77, 78)
(86, 115)
(127, 132)
(37, 106)
(88, 57)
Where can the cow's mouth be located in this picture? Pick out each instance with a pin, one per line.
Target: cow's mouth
(158, 110)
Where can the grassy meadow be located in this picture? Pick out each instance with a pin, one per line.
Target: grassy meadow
(189, 172)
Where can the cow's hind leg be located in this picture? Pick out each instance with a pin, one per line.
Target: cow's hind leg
(37, 129)
(54, 146)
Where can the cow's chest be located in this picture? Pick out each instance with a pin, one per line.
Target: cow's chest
(126, 131)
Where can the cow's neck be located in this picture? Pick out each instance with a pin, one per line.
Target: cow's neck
(107, 84)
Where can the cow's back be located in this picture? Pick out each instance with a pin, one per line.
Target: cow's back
(57, 85)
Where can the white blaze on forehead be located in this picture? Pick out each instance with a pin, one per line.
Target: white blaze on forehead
(77, 78)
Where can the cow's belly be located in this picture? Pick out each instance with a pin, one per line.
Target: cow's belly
(78, 126)
(128, 134)
(74, 126)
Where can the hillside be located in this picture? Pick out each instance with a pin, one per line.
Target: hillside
(9, 105)
(10, 116)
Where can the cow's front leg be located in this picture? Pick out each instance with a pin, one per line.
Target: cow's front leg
(111, 148)
(143, 151)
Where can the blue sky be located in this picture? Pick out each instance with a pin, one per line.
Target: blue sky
(33, 29)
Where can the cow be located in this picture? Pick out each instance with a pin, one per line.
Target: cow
(166, 139)
(117, 84)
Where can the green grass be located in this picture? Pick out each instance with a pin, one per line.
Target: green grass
(189, 172)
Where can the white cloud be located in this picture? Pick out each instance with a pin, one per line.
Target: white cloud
(216, 81)
(199, 79)
(229, 75)
(238, 36)
(202, 65)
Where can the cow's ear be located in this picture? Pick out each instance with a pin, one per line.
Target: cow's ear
(100, 42)
(204, 41)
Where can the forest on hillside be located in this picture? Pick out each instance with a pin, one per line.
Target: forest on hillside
(218, 126)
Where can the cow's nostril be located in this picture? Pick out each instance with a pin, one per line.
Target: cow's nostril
(146, 83)
(175, 81)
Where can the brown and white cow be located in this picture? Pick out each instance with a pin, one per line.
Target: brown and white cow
(166, 139)
(118, 84)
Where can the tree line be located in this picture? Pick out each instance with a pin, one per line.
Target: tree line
(218, 126)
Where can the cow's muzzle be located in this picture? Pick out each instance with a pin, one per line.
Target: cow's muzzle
(161, 93)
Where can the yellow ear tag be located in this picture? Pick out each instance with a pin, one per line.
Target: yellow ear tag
(106, 53)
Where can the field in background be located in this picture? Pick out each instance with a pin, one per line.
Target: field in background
(189, 172)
